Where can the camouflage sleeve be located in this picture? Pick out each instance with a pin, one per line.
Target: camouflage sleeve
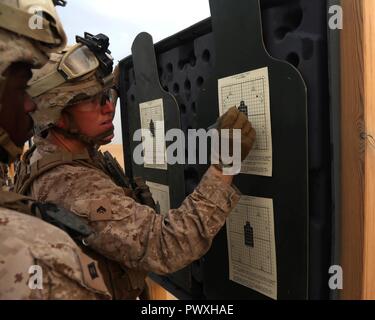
(133, 234)
(41, 262)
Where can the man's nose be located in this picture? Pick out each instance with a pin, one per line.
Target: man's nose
(28, 104)
(108, 107)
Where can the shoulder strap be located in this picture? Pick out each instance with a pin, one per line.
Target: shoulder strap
(14, 201)
(27, 173)
(61, 218)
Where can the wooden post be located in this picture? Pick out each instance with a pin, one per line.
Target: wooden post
(358, 149)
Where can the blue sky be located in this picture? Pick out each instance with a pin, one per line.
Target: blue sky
(122, 20)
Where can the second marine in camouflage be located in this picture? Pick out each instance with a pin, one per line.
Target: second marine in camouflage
(28, 244)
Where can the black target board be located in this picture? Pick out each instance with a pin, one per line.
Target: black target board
(149, 89)
(188, 66)
(288, 185)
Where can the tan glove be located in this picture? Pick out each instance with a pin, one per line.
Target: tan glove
(234, 119)
(143, 193)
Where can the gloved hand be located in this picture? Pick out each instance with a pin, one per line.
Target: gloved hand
(234, 119)
(143, 193)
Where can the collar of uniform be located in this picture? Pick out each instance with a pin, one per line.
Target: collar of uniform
(45, 146)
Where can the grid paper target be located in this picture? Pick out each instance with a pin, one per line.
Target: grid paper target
(257, 256)
(250, 94)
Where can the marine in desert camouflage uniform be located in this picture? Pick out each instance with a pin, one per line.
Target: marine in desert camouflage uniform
(37, 260)
(129, 235)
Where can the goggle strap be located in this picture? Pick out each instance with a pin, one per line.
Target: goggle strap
(46, 83)
(81, 86)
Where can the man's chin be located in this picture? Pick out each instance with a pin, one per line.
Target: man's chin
(107, 140)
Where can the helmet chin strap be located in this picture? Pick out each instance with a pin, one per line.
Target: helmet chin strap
(100, 139)
(7, 144)
(72, 132)
(90, 141)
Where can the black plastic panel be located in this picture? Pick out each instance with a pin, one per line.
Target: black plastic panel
(288, 186)
(293, 31)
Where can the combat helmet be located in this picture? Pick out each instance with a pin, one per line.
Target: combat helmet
(29, 31)
(78, 73)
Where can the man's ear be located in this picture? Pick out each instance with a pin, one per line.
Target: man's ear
(62, 123)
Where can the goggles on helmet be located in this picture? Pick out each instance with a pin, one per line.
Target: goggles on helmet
(77, 62)
(81, 59)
